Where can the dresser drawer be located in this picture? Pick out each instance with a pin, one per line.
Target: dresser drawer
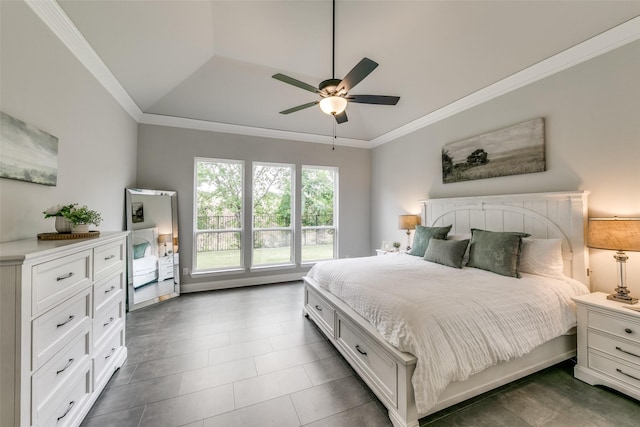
(56, 328)
(615, 368)
(626, 350)
(65, 408)
(108, 258)
(321, 310)
(106, 356)
(370, 357)
(624, 327)
(107, 319)
(105, 292)
(61, 369)
(56, 280)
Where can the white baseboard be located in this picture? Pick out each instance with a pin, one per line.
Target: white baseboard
(237, 283)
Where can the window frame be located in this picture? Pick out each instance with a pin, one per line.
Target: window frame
(292, 222)
(334, 227)
(194, 262)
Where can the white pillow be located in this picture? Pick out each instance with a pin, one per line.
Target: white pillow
(542, 257)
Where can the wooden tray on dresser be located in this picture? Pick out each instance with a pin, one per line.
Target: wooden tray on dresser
(68, 236)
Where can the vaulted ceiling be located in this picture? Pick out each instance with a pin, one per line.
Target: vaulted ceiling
(213, 60)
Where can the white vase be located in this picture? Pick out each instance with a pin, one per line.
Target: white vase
(80, 228)
(63, 225)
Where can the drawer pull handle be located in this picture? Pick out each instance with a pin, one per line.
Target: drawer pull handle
(65, 276)
(108, 323)
(364, 353)
(69, 363)
(107, 258)
(627, 330)
(624, 373)
(318, 307)
(59, 325)
(67, 411)
(627, 352)
(113, 350)
(110, 289)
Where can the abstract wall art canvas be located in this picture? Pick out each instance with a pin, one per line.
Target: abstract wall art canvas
(27, 153)
(514, 150)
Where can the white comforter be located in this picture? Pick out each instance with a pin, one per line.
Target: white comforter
(456, 322)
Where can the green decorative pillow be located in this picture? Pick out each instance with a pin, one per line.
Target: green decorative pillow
(139, 250)
(498, 252)
(422, 236)
(446, 252)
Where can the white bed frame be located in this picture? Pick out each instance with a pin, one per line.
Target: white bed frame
(388, 371)
(145, 235)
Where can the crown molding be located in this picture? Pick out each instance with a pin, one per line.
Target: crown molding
(180, 122)
(607, 41)
(56, 19)
(50, 12)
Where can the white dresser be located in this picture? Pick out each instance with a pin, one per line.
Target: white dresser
(62, 318)
(608, 344)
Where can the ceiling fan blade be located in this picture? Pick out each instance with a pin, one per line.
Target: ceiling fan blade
(294, 82)
(299, 107)
(357, 73)
(374, 99)
(341, 118)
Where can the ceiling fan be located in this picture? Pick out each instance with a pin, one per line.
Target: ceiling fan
(334, 93)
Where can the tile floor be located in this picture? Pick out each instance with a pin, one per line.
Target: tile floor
(247, 357)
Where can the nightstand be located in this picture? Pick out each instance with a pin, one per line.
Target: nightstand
(165, 268)
(608, 344)
(380, 252)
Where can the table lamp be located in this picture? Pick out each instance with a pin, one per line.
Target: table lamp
(408, 222)
(620, 235)
(164, 238)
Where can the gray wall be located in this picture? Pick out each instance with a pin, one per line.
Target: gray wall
(44, 85)
(166, 160)
(592, 115)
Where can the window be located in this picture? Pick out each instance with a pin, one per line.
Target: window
(272, 214)
(218, 228)
(274, 233)
(319, 193)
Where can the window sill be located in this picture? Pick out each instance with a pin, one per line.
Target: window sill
(224, 272)
(273, 267)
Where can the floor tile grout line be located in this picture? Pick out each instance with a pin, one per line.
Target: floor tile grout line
(142, 415)
(295, 409)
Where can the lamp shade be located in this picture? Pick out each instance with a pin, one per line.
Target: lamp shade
(333, 105)
(164, 238)
(408, 222)
(618, 234)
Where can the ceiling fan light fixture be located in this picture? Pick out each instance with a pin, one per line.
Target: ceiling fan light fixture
(333, 105)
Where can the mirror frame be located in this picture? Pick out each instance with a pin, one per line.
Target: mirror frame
(129, 193)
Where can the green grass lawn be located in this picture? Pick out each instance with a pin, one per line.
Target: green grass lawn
(264, 256)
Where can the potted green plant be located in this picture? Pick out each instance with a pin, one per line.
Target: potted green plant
(81, 217)
(63, 225)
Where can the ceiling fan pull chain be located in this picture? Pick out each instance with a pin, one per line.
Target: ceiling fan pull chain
(333, 141)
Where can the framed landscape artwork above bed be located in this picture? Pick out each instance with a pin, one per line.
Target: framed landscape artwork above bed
(513, 150)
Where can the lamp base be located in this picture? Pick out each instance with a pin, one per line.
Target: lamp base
(623, 298)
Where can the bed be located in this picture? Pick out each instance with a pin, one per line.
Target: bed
(373, 309)
(145, 256)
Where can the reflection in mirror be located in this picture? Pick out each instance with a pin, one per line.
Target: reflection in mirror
(153, 262)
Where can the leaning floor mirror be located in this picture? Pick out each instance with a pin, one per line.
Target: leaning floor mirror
(153, 261)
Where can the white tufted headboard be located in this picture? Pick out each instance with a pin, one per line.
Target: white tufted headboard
(543, 215)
